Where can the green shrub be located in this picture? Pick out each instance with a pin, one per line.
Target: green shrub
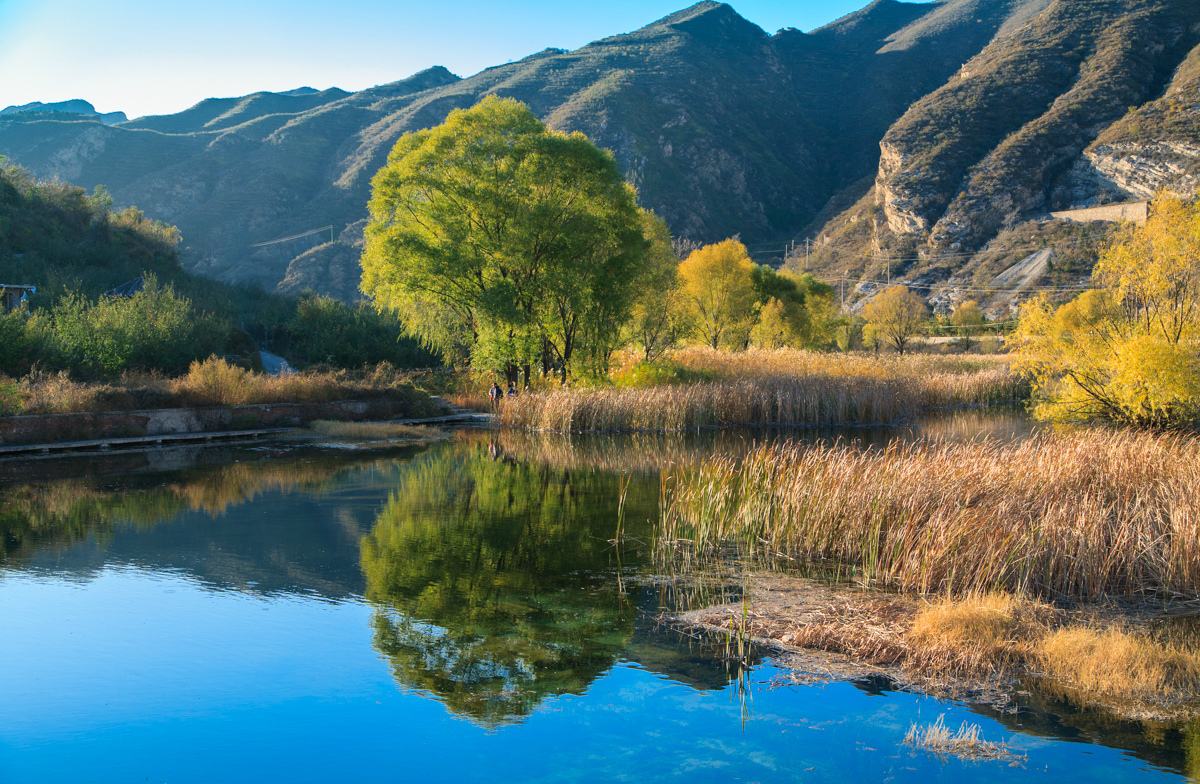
(155, 329)
(18, 344)
(326, 331)
(655, 374)
(10, 397)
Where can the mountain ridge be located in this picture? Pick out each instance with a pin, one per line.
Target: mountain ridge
(905, 128)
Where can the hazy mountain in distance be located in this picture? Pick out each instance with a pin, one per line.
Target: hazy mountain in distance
(76, 108)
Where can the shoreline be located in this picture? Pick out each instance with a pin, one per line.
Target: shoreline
(34, 432)
(823, 632)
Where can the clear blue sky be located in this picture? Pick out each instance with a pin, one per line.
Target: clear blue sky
(157, 56)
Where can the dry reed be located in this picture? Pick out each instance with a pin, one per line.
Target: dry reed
(966, 743)
(797, 362)
(377, 431)
(785, 389)
(1084, 515)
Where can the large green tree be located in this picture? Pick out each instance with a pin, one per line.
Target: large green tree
(503, 243)
(658, 320)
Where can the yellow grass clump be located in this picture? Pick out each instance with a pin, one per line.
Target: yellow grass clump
(984, 644)
(1113, 663)
(979, 634)
(1088, 515)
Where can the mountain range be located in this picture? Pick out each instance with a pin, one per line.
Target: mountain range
(932, 139)
(77, 108)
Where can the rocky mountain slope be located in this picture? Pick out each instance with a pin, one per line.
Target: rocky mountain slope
(1070, 105)
(988, 114)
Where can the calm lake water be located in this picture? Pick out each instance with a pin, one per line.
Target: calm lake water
(452, 613)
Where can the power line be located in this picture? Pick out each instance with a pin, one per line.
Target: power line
(298, 237)
(972, 289)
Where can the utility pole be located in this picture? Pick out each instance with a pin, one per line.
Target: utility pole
(807, 251)
(843, 292)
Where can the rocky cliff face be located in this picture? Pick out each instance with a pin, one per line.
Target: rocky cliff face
(985, 151)
(1068, 105)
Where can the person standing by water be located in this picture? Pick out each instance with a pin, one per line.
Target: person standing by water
(496, 394)
(512, 389)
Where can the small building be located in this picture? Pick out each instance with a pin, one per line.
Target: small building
(13, 295)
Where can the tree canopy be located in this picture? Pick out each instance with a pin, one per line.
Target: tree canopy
(895, 315)
(717, 283)
(504, 244)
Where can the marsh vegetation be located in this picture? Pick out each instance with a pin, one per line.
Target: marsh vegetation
(784, 388)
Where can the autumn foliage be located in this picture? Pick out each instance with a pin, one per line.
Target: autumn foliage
(1129, 350)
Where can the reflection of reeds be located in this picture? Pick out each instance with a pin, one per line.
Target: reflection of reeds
(57, 513)
(377, 431)
(1084, 515)
(617, 454)
(215, 491)
(772, 389)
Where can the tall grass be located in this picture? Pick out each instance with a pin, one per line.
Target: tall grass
(797, 362)
(813, 401)
(784, 388)
(1087, 515)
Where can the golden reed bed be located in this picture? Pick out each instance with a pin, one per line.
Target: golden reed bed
(1085, 515)
(785, 388)
(811, 401)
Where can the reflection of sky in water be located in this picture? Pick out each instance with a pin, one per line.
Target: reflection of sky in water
(236, 647)
(135, 675)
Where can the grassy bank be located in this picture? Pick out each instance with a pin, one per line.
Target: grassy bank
(1087, 515)
(212, 382)
(785, 388)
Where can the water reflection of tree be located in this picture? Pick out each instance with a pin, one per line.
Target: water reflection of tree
(494, 579)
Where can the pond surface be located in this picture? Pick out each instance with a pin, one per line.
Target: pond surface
(453, 613)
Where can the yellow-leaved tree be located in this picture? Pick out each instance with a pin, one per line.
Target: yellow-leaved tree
(1129, 350)
(717, 283)
(895, 315)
